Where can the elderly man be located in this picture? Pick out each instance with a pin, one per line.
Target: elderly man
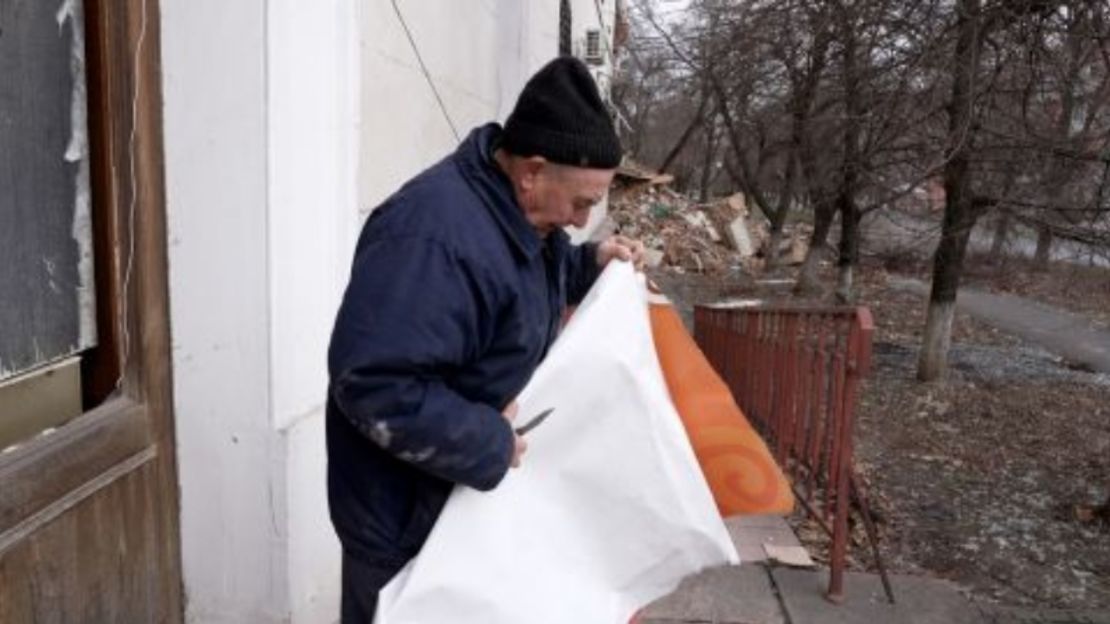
(459, 283)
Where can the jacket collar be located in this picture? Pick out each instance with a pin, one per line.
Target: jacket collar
(475, 160)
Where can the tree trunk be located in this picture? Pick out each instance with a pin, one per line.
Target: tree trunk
(707, 161)
(738, 168)
(947, 267)
(959, 209)
(823, 214)
(1063, 174)
(778, 219)
(933, 363)
(844, 293)
(774, 241)
(849, 248)
(1001, 231)
(846, 191)
(1103, 511)
(802, 138)
(1044, 247)
(695, 121)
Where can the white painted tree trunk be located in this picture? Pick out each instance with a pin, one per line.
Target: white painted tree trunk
(771, 257)
(844, 286)
(1044, 247)
(933, 361)
(807, 274)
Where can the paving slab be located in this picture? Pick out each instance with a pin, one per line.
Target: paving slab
(759, 521)
(920, 600)
(727, 595)
(1023, 615)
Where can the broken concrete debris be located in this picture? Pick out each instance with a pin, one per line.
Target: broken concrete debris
(683, 235)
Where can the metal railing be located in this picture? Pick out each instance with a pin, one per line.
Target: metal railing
(796, 372)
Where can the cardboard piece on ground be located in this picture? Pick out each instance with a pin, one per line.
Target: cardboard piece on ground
(793, 556)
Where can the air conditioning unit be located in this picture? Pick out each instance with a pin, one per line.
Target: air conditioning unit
(593, 54)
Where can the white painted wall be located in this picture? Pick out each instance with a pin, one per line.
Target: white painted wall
(261, 148)
(214, 88)
(313, 84)
(281, 119)
(597, 15)
(478, 54)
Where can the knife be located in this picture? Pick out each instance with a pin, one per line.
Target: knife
(534, 421)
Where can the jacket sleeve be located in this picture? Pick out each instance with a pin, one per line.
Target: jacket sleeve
(412, 314)
(582, 271)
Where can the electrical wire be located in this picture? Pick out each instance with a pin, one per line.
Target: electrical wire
(424, 68)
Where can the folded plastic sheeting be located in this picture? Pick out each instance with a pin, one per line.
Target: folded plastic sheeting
(609, 510)
(741, 471)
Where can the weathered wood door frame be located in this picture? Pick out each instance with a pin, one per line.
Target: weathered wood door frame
(121, 452)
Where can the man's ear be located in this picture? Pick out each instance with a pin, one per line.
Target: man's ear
(530, 168)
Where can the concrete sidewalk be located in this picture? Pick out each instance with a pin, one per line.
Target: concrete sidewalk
(761, 592)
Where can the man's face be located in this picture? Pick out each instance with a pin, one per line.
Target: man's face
(554, 196)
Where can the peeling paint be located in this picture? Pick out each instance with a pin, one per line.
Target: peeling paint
(417, 457)
(381, 434)
(49, 265)
(77, 151)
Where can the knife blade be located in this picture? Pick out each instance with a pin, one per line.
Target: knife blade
(534, 421)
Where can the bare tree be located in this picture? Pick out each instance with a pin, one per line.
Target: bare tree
(959, 210)
(1022, 72)
(846, 107)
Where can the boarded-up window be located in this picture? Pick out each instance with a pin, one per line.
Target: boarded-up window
(47, 307)
(47, 301)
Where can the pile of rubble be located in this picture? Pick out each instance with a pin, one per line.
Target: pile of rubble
(684, 235)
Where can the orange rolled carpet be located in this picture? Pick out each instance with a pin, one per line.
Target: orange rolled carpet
(739, 468)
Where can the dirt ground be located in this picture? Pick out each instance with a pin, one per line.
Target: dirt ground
(987, 478)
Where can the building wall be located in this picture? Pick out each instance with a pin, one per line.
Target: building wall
(478, 56)
(285, 123)
(217, 181)
(478, 61)
(597, 15)
(313, 95)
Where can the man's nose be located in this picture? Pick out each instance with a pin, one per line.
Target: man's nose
(580, 217)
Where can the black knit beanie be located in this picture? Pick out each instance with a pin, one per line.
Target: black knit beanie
(561, 117)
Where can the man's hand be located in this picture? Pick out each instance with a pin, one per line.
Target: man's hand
(621, 248)
(519, 444)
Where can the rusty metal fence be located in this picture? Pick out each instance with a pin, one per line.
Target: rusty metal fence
(796, 372)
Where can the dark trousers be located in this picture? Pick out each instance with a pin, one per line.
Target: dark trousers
(361, 583)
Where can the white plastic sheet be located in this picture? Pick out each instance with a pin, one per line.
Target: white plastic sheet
(609, 510)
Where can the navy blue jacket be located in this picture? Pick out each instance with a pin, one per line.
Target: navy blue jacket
(453, 301)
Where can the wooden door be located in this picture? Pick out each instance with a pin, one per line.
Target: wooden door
(88, 507)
